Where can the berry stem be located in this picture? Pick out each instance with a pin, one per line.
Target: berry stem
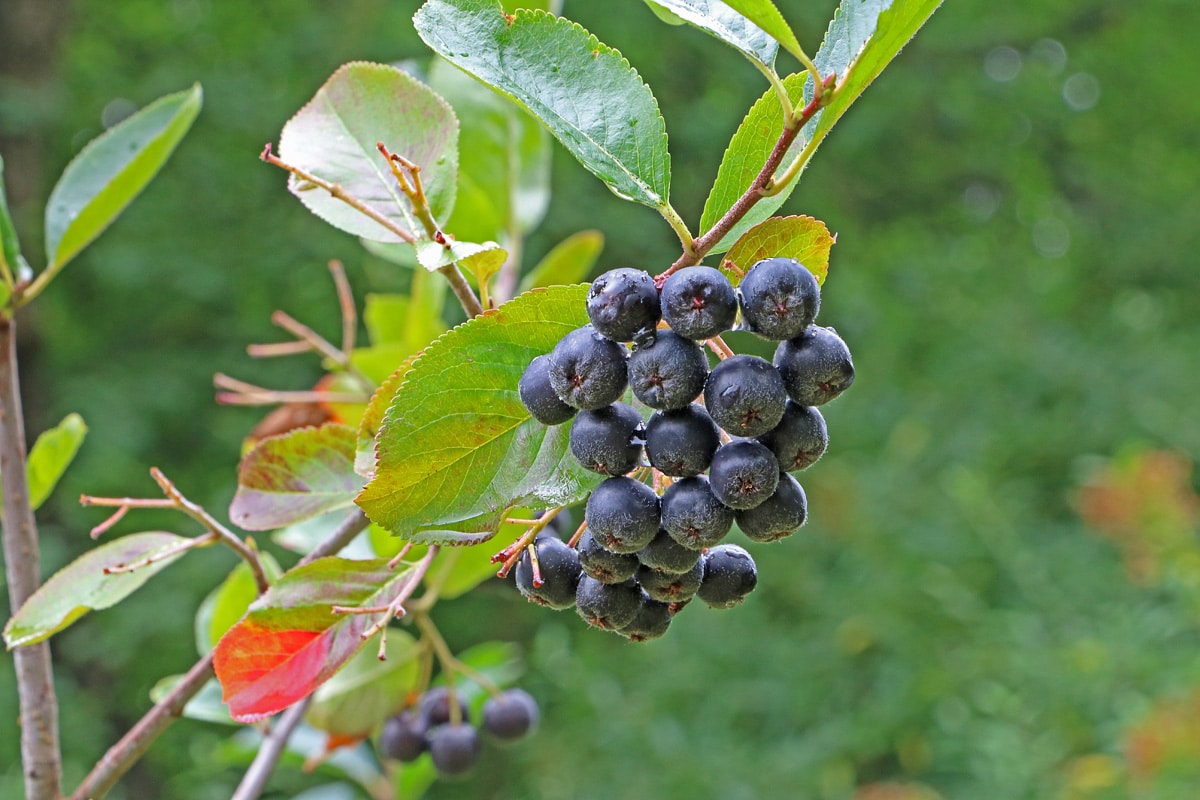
(450, 664)
(510, 554)
(577, 535)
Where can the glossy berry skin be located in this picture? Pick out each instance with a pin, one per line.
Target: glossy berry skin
(743, 474)
(403, 736)
(588, 371)
(699, 302)
(667, 587)
(622, 303)
(559, 567)
(667, 371)
(800, 438)
(729, 575)
(681, 443)
(603, 564)
(622, 514)
(650, 622)
(510, 715)
(745, 395)
(455, 749)
(692, 515)
(539, 397)
(816, 366)
(777, 516)
(780, 298)
(667, 555)
(607, 605)
(608, 440)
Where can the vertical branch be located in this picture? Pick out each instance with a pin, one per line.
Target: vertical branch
(35, 678)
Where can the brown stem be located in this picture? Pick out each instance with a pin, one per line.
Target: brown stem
(122, 755)
(346, 306)
(40, 754)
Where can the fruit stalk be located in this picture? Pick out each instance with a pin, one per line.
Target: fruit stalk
(40, 752)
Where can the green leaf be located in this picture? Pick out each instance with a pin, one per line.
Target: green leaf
(10, 247)
(226, 604)
(296, 476)
(372, 420)
(112, 170)
(479, 259)
(304, 537)
(504, 160)
(457, 447)
(766, 16)
(367, 690)
(864, 36)
(803, 238)
(720, 20)
(205, 706)
(334, 137)
(569, 261)
(50, 456)
(86, 585)
(547, 64)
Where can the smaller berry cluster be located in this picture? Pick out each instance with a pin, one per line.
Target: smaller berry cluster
(720, 443)
(454, 745)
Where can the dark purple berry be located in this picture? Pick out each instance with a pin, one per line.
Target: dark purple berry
(403, 736)
(608, 440)
(745, 395)
(650, 622)
(559, 568)
(699, 302)
(607, 605)
(780, 298)
(603, 564)
(692, 515)
(777, 516)
(454, 748)
(510, 715)
(539, 397)
(622, 303)
(681, 443)
(671, 587)
(729, 575)
(799, 439)
(743, 474)
(588, 371)
(622, 514)
(816, 366)
(668, 371)
(435, 704)
(667, 555)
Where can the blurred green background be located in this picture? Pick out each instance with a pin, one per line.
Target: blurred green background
(997, 594)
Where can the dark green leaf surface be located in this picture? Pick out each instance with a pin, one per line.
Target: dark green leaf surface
(295, 476)
(112, 170)
(864, 36)
(582, 90)
(334, 138)
(728, 25)
(83, 585)
(457, 447)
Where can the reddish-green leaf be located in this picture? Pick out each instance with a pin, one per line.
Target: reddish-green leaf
(226, 604)
(84, 585)
(367, 690)
(457, 447)
(803, 238)
(291, 640)
(295, 476)
(334, 138)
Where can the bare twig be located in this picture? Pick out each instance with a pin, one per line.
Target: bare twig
(346, 304)
(269, 752)
(40, 754)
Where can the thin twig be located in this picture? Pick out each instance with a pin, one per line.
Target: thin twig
(346, 305)
(270, 751)
(41, 757)
(304, 333)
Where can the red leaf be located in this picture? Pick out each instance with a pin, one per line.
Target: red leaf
(291, 641)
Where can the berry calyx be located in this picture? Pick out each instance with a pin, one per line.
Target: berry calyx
(588, 371)
(780, 298)
(744, 473)
(667, 371)
(745, 395)
(699, 302)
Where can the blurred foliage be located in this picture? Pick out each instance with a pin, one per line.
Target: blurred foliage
(1015, 207)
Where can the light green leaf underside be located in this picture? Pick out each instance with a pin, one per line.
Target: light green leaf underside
(766, 16)
(722, 21)
(456, 447)
(50, 456)
(112, 170)
(585, 92)
(83, 585)
(864, 36)
(334, 137)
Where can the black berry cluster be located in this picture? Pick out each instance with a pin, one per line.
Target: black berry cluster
(721, 443)
(454, 746)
